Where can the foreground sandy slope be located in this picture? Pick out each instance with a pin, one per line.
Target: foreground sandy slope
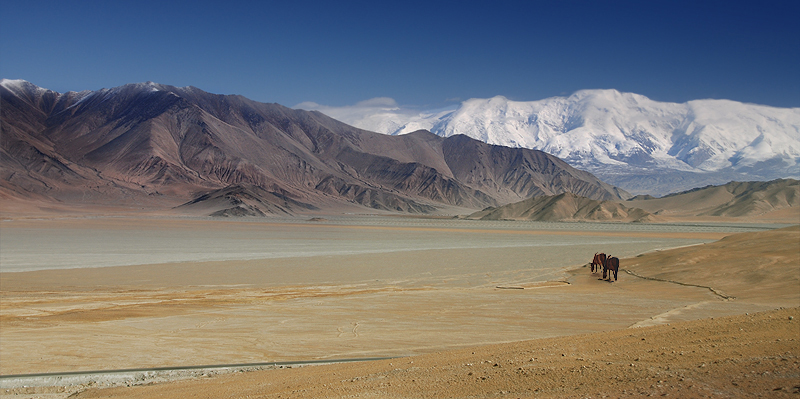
(761, 267)
(739, 356)
(748, 355)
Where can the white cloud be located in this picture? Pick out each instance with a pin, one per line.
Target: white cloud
(379, 114)
(378, 102)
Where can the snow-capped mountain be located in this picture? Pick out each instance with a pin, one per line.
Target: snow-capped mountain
(629, 140)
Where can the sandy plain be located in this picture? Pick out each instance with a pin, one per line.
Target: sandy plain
(370, 287)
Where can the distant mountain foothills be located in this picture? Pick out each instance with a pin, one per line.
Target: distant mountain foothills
(628, 140)
(565, 207)
(778, 198)
(773, 200)
(149, 146)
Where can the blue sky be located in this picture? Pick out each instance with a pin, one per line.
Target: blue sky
(421, 53)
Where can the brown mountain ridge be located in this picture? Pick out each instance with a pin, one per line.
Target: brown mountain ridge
(149, 145)
(565, 207)
(776, 200)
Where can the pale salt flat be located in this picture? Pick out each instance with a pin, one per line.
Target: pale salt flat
(29, 245)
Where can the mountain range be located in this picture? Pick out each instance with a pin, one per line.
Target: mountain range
(626, 139)
(149, 145)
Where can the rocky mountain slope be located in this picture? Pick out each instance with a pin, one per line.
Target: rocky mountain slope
(629, 140)
(153, 145)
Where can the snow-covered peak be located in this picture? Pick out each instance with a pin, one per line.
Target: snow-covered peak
(22, 87)
(608, 131)
(149, 86)
(137, 87)
(13, 83)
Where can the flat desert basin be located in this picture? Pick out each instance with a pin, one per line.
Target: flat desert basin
(109, 293)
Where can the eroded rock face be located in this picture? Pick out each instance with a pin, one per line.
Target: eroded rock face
(164, 146)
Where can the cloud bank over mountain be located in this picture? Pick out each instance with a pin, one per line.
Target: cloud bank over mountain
(382, 115)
